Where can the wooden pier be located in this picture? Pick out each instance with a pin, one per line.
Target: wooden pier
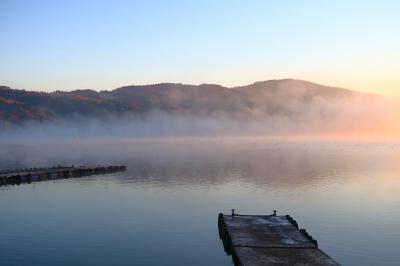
(255, 240)
(16, 177)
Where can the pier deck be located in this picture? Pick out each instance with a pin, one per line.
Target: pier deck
(16, 177)
(269, 240)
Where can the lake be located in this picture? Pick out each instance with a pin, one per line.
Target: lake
(163, 210)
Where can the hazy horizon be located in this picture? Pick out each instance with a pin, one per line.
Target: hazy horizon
(194, 84)
(287, 108)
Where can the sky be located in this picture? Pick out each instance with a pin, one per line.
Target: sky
(102, 45)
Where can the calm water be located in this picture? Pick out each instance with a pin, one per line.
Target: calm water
(163, 210)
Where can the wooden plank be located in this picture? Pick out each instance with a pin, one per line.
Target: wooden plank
(268, 231)
(283, 256)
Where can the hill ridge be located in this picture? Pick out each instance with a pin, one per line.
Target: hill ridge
(283, 97)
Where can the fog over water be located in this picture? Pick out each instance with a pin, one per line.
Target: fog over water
(288, 110)
(338, 175)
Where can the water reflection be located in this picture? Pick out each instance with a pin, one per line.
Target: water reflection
(163, 209)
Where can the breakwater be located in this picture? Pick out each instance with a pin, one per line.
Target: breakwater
(29, 175)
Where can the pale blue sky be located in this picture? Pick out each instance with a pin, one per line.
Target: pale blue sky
(49, 45)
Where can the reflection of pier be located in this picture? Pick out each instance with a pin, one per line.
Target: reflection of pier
(16, 177)
(269, 240)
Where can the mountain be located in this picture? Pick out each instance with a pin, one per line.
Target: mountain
(280, 98)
